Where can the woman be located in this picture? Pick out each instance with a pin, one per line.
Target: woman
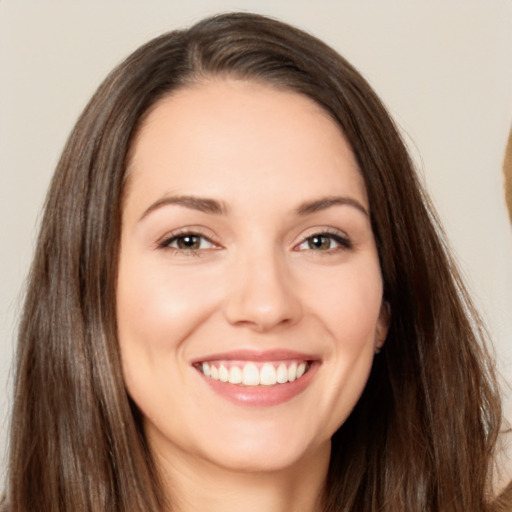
(194, 338)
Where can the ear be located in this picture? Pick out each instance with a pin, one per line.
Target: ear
(381, 330)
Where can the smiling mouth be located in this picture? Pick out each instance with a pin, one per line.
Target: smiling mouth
(253, 374)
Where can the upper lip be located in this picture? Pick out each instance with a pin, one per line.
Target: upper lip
(256, 355)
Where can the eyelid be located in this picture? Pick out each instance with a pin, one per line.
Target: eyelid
(165, 241)
(337, 235)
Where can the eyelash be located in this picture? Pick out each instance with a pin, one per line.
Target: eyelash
(166, 243)
(343, 242)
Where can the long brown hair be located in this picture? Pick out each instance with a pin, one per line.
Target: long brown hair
(422, 436)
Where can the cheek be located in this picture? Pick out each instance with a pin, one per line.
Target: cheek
(157, 307)
(348, 308)
(348, 302)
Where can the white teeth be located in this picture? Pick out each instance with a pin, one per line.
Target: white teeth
(282, 373)
(268, 375)
(250, 375)
(292, 372)
(235, 375)
(223, 374)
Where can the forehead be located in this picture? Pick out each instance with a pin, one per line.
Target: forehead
(235, 138)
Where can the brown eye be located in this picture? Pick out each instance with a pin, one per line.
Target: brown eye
(320, 242)
(188, 242)
(325, 242)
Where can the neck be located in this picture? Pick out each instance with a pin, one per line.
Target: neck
(197, 485)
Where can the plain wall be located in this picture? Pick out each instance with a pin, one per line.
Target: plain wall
(443, 68)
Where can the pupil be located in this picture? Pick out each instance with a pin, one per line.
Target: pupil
(319, 242)
(188, 242)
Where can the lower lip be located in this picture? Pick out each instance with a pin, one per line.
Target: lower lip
(262, 396)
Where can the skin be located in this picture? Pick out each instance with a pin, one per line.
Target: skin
(254, 281)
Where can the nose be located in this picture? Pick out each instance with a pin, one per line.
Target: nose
(262, 294)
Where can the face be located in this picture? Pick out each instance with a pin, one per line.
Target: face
(249, 296)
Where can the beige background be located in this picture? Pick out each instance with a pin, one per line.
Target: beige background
(444, 68)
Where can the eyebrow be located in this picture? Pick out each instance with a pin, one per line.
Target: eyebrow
(202, 204)
(317, 205)
(212, 206)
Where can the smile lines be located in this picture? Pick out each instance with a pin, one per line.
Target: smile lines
(250, 374)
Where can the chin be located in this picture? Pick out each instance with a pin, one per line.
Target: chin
(261, 447)
(265, 457)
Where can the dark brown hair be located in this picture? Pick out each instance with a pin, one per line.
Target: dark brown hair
(422, 436)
